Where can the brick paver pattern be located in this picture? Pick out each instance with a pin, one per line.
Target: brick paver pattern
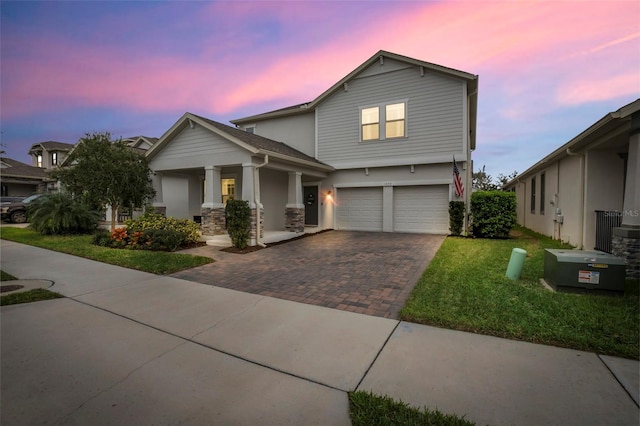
(366, 272)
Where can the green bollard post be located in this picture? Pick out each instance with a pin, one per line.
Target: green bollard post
(515, 263)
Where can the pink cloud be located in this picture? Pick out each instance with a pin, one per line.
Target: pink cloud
(517, 46)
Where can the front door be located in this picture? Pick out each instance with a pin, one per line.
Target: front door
(311, 205)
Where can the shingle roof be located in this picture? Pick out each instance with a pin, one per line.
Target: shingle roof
(261, 142)
(19, 169)
(53, 146)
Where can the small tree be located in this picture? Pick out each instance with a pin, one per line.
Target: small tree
(482, 181)
(102, 172)
(238, 216)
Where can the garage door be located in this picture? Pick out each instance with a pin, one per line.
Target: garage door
(421, 209)
(359, 209)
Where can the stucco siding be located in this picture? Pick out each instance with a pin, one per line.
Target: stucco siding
(198, 147)
(604, 189)
(296, 131)
(434, 114)
(273, 196)
(175, 190)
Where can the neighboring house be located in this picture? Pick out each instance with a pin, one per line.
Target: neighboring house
(373, 153)
(587, 192)
(141, 143)
(20, 179)
(49, 155)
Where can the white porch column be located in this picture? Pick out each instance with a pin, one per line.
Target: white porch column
(248, 170)
(294, 199)
(158, 202)
(294, 212)
(156, 180)
(212, 188)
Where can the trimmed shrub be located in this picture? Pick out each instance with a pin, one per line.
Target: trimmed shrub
(61, 214)
(238, 216)
(159, 240)
(493, 213)
(150, 220)
(101, 238)
(456, 217)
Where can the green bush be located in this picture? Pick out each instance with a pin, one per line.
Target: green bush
(160, 240)
(493, 213)
(456, 217)
(150, 220)
(61, 214)
(238, 216)
(102, 238)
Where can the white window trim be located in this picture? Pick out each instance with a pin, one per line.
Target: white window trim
(382, 120)
(250, 126)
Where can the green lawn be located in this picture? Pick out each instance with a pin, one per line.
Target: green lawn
(148, 261)
(464, 288)
(367, 409)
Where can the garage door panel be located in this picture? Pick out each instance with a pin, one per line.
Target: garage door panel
(359, 209)
(421, 209)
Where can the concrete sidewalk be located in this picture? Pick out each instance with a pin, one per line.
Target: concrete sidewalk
(127, 347)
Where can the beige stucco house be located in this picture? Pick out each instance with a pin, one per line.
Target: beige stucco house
(374, 152)
(587, 192)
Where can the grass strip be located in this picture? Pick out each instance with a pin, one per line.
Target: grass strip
(6, 277)
(80, 245)
(464, 288)
(34, 295)
(368, 409)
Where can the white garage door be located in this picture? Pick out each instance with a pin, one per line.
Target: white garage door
(359, 209)
(421, 209)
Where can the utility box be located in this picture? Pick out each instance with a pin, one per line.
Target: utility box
(584, 271)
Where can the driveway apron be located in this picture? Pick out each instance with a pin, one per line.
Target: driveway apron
(365, 272)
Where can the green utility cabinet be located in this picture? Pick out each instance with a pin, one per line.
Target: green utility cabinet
(584, 271)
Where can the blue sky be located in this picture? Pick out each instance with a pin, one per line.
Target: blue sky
(548, 69)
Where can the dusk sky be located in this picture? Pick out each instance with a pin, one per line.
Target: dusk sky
(547, 69)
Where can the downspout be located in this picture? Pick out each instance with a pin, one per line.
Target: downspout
(582, 190)
(256, 199)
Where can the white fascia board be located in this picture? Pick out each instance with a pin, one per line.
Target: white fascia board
(402, 161)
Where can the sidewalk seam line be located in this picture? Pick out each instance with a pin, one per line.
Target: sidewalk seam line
(212, 348)
(618, 380)
(377, 355)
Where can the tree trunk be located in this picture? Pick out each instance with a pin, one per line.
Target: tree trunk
(113, 218)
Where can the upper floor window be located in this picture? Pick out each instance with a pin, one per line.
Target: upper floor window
(250, 129)
(386, 121)
(54, 158)
(39, 160)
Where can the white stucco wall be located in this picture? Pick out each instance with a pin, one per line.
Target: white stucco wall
(273, 196)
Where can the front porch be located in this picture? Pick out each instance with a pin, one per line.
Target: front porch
(223, 240)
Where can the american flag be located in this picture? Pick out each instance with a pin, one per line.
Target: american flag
(457, 180)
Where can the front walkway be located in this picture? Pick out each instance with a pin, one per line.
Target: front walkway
(365, 272)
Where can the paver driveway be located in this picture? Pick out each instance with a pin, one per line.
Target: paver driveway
(365, 272)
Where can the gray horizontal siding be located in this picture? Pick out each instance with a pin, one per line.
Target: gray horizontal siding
(198, 147)
(296, 131)
(435, 117)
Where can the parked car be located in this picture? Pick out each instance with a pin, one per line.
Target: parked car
(17, 212)
(5, 200)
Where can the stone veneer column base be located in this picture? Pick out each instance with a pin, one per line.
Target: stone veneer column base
(294, 219)
(626, 244)
(213, 221)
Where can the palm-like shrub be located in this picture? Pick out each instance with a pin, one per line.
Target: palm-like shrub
(61, 214)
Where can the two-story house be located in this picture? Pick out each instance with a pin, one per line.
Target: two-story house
(374, 152)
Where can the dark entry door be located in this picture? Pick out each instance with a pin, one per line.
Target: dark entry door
(311, 205)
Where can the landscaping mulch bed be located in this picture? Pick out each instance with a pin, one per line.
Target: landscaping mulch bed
(251, 249)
